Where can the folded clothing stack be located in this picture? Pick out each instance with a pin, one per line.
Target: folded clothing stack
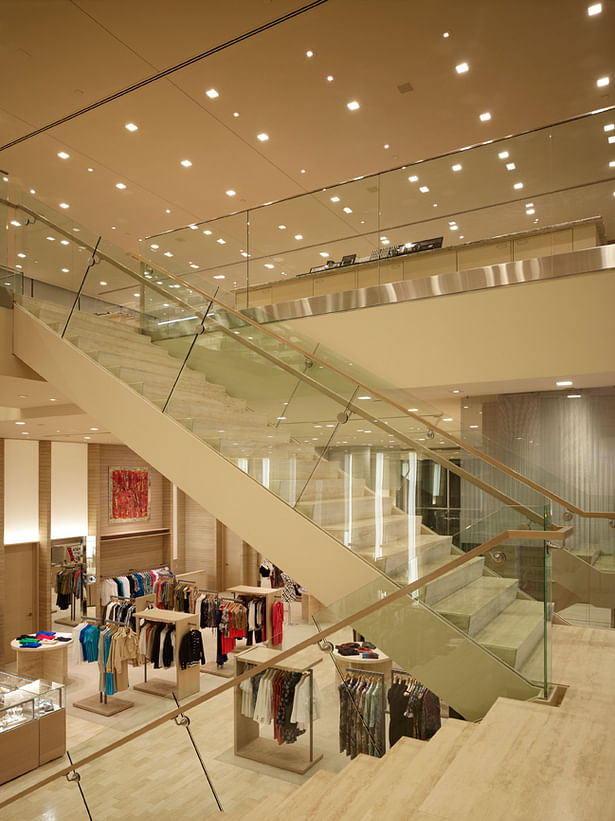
(41, 639)
(355, 648)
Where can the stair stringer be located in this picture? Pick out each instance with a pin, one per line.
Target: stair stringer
(575, 581)
(460, 671)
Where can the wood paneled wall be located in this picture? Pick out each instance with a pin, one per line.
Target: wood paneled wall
(2, 564)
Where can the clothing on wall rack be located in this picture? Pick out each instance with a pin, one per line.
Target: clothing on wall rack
(362, 713)
(414, 710)
(121, 611)
(157, 643)
(135, 583)
(71, 587)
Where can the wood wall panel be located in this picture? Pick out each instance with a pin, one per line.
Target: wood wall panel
(118, 556)
(2, 564)
(200, 541)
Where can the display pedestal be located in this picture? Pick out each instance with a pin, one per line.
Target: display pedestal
(96, 704)
(383, 664)
(49, 662)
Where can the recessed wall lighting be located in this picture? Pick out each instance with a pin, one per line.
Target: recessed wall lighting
(423, 189)
(594, 9)
(353, 105)
(517, 186)
(461, 68)
(603, 81)
(564, 383)
(131, 127)
(219, 276)
(230, 193)
(186, 163)
(64, 205)
(486, 115)
(298, 236)
(212, 93)
(120, 185)
(63, 155)
(263, 137)
(457, 167)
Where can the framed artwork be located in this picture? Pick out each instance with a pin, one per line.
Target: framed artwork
(129, 494)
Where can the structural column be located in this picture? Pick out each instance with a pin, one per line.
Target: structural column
(93, 540)
(44, 539)
(2, 563)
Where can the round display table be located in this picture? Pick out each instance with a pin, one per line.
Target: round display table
(50, 661)
(383, 664)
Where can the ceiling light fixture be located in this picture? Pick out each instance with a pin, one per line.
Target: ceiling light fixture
(413, 178)
(517, 186)
(219, 276)
(131, 127)
(269, 265)
(21, 256)
(510, 166)
(51, 239)
(90, 170)
(457, 167)
(64, 242)
(64, 205)
(347, 210)
(612, 139)
(282, 227)
(503, 155)
(262, 137)
(221, 241)
(335, 199)
(230, 193)
(120, 185)
(168, 254)
(594, 9)
(608, 127)
(65, 270)
(186, 163)
(462, 68)
(32, 191)
(324, 254)
(235, 114)
(486, 115)
(63, 155)
(207, 232)
(445, 34)
(16, 223)
(423, 189)
(564, 383)
(102, 282)
(309, 53)
(330, 78)
(353, 105)
(603, 81)
(574, 396)
(298, 236)
(530, 211)
(212, 93)
(474, 426)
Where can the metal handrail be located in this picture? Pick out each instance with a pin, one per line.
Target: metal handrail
(554, 497)
(559, 535)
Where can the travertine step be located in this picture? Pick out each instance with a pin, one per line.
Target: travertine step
(360, 771)
(110, 356)
(136, 346)
(330, 511)
(306, 798)
(135, 371)
(304, 469)
(450, 582)
(182, 408)
(365, 533)
(86, 323)
(157, 384)
(255, 812)
(408, 779)
(397, 556)
(474, 606)
(237, 429)
(320, 488)
(513, 634)
(605, 562)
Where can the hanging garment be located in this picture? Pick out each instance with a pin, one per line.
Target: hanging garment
(191, 650)
(277, 618)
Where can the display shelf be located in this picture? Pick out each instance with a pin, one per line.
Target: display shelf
(50, 661)
(187, 682)
(248, 743)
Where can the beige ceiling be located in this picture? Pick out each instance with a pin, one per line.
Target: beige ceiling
(531, 64)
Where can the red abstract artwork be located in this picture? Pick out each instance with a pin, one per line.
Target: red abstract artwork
(129, 494)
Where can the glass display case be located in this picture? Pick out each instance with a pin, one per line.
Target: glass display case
(32, 723)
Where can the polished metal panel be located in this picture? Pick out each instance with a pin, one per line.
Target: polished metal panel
(572, 263)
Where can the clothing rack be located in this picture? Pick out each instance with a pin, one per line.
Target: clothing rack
(72, 620)
(187, 682)
(248, 742)
(101, 703)
(377, 745)
(270, 594)
(418, 725)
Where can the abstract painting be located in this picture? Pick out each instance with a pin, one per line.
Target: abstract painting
(129, 494)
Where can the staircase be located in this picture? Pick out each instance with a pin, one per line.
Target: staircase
(464, 601)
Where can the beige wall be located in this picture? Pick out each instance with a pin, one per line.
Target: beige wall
(548, 328)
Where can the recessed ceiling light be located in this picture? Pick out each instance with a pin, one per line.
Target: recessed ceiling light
(193, 266)
(386, 145)
(435, 205)
(474, 426)
(102, 282)
(564, 383)
(282, 227)
(309, 53)
(64, 242)
(353, 105)
(137, 294)
(230, 193)
(221, 241)
(298, 236)
(16, 223)
(423, 189)
(22, 395)
(87, 437)
(262, 137)
(245, 254)
(303, 170)
(595, 8)
(529, 204)
(347, 210)
(455, 390)
(335, 199)
(131, 127)
(609, 127)
(457, 167)
(25, 432)
(503, 155)
(324, 253)
(447, 418)
(93, 428)
(186, 163)
(21, 256)
(52, 399)
(603, 81)
(155, 247)
(462, 68)
(510, 166)
(219, 276)
(530, 211)
(17, 266)
(65, 270)
(20, 423)
(454, 228)
(193, 227)
(32, 191)
(574, 396)
(51, 239)
(63, 155)
(364, 397)
(212, 93)
(235, 114)
(486, 115)
(64, 205)
(446, 34)
(207, 232)
(612, 139)
(90, 170)
(330, 78)
(269, 265)
(518, 185)
(120, 185)
(168, 254)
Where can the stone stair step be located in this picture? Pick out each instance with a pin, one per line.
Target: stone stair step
(605, 562)
(240, 424)
(475, 605)
(409, 778)
(183, 408)
(111, 357)
(255, 813)
(331, 511)
(353, 777)
(322, 488)
(396, 557)
(88, 323)
(365, 533)
(306, 798)
(513, 635)
(450, 582)
(304, 469)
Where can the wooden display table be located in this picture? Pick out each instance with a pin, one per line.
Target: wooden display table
(383, 664)
(187, 682)
(298, 758)
(49, 661)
